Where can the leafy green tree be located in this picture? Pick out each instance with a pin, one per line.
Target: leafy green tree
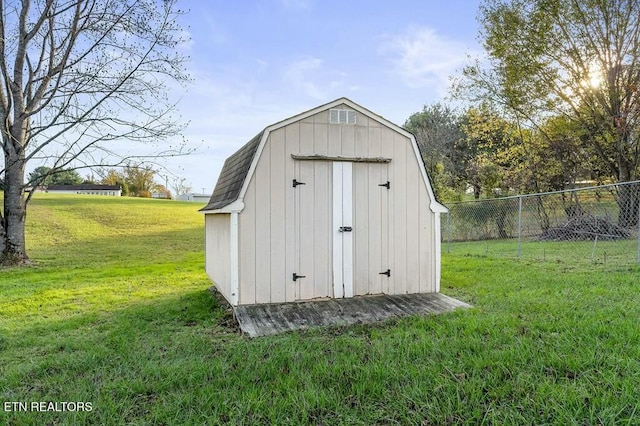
(46, 176)
(66, 177)
(110, 177)
(113, 177)
(39, 176)
(438, 129)
(507, 156)
(577, 59)
(482, 152)
(565, 158)
(135, 180)
(139, 180)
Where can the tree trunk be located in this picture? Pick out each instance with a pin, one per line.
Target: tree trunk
(15, 212)
(3, 239)
(476, 191)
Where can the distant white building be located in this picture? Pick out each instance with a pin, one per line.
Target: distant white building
(197, 198)
(163, 195)
(89, 189)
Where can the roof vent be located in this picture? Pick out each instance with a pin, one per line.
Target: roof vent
(342, 116)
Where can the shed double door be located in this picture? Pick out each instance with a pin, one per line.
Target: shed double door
(341, 229)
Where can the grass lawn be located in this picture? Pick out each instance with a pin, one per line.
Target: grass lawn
(116, 312)
(615, 254)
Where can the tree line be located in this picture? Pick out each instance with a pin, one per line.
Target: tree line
(479, 151)
(134, 180)
(556, 100)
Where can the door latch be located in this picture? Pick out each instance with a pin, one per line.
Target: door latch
(345, 229)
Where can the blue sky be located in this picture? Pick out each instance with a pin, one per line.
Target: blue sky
(254, 63)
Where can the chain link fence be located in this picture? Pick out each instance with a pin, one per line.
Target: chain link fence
(598, 224)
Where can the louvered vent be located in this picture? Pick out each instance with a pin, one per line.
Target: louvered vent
(342, 116)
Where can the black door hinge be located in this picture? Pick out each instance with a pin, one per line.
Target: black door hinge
(387, 273)
(345, 229)
(387, 184)
(296, 276)
(296, 183)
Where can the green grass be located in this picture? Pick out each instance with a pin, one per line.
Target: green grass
(116, 312)
(570, 254)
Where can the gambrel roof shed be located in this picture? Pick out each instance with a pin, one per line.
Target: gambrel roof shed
(332, 202)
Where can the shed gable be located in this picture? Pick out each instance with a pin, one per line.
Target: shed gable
(239, 168)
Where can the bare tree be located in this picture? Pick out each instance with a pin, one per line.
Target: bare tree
(79, 81)
(180, 186)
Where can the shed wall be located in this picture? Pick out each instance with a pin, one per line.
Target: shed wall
(218, 251)
(267, 243)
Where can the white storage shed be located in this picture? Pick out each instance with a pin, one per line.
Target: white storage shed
(334, 202)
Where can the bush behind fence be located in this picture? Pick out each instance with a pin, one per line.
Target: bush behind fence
(598, 224)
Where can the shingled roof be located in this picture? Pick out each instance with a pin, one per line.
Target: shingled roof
(233, 174)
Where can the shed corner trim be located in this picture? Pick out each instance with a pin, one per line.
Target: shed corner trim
(436, 207)
(234, 244)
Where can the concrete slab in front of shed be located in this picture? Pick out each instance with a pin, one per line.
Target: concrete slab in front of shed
(264, 320)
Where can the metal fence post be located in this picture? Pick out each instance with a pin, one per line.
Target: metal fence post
(638, 232)
(519, 226)
(449, 231)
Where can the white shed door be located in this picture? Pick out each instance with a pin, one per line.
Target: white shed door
(312, 230)
(342, 232)
(371, 266)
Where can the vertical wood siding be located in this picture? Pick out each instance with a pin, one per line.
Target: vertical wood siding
(393, 229)
(264, 235)
(293, 135)
(277, 222)
(371, 205)
(363, 244)
(218, 251)
(412, 199)
(313, 242)
(387, 145)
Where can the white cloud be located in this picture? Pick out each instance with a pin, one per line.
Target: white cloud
(302, 74)
(314, 78)
(424, 58)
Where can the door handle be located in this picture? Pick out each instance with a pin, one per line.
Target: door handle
(345, 229)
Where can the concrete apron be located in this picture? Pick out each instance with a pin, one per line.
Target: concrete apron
(268, 319)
